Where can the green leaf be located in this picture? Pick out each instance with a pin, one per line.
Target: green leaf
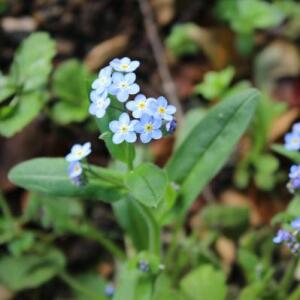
(215, 83)
(59, 213)
(207, 148)
(292, 155)
(27, 108)
(147, 183)
(7, 89)
(124, 152)
(50, 176)
(204, 283)
(230, 219)
(294, 207)
(30, 271)
(163, 289)
(133, 285)
(129, 213)
(94, 285)
(32, 63)
(69, 85)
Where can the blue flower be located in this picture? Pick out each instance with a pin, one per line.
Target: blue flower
(109, 290)
(144, 266)
(99, 104)
(138, 106)
(296, 224)
(75, 173)
(123, 86)
(148, 127)
(171, 126)
(161, 109)
(123, 129)
(296, 128)
(103, 81)
(124, 64)
(292, 141)
(282, 236)
(78, 152)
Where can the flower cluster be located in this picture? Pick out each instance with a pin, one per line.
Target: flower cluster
(78, 153)
(292, 139)
(291, 238)
(294, 175)
(142, 116)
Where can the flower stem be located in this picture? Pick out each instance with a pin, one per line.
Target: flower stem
(5, 208)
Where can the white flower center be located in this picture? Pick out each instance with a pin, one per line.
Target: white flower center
(100, 103)
(148, 127)
(103, 80)
(124, 128)
(123, 85)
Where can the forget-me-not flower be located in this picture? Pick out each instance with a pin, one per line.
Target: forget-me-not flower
(124, 64)
(161, 109)
(99, 104)
(138, 106)
(103, 81)
(75, 173)
(123, 129)
(109, 290)
(123, 86)
(144, 266)
(296, 224)
(283, 236)
(149, 128)
(292, 141)
(294, 176)
(296, 128)
(78, 152)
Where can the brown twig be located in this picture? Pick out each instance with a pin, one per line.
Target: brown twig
(159, 54)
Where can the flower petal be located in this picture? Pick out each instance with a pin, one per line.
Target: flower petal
(130, 137)
(133, 89)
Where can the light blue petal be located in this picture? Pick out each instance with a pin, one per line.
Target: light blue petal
(138, 127)
(122, 95)
(114, 126)
(134, 65)
(171, 109)
(140, 97)
(162, 101)
(117, 77)
(156, 134)
(124, 118)
(157, 123)
(132, 125)
(130, 78)
(131, 105)
(125, 60)
(137, 113)
(115, 63)
(100, 113)
(133, 89)
(145, 138)
(130, 137)
(118, 138)
(113, 89)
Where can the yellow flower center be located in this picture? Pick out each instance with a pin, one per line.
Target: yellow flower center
(148, 127)
(124, 128)
(161, 110)
(295, 141)
(103, 80)
(141, 105)
(79, 153)
(124, 66)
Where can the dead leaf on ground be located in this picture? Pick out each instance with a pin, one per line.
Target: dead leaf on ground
(5, 294)
(227, 251)
(105, 51)
(282, 124)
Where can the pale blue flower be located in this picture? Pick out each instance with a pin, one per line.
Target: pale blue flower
(99, 104)
(296, 224)
(283, 236)
(144, 266)
(123, 86)
(109, 290)
(292, 141)
(123, 129)
(161, 109)
(149, 128)
(103, 81)
(78, 152)
(138, 106)
(294, 172)
(296, 128)
(75, 173)
(124, 64)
